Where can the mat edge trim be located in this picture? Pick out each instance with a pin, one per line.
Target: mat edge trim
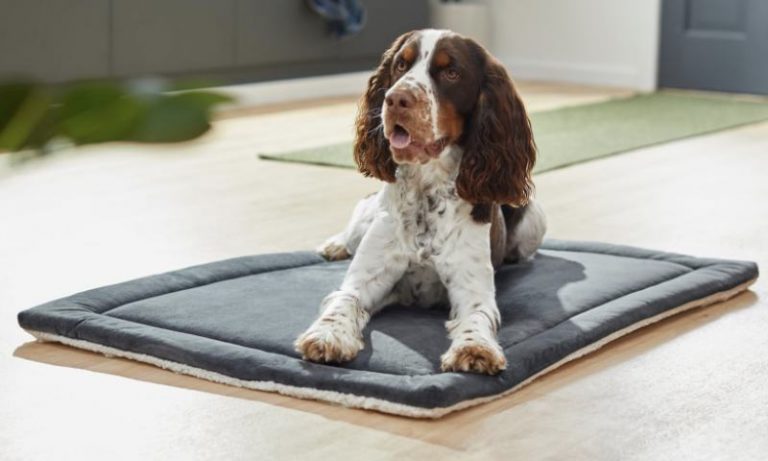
(372, 403)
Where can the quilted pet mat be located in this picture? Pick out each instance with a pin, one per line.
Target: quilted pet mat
(234, 322)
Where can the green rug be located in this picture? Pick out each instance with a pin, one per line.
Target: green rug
(580, 133)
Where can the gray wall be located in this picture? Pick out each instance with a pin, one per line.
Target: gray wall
(228, 40)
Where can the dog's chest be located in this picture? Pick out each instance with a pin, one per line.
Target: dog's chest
(426, 214)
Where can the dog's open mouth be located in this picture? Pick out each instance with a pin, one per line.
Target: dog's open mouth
(400, 138)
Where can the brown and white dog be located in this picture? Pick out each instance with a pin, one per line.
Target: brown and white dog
(442, 125)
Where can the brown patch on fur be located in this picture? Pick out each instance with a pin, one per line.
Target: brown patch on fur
(449, 121)
(481, 212)
(441, 59)
(371, 150)
(409, 53)
(475, 358)
(499, 151)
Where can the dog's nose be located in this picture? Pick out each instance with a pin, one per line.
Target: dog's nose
(400, 99)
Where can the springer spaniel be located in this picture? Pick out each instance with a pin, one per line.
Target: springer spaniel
(442, 125)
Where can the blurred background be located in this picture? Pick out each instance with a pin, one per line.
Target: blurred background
(122, 57)
(708, 44)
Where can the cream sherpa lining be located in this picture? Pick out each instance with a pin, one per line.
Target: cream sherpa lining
(371, 403)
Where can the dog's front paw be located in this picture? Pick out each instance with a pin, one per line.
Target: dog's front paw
(475, 357)
(333, 250)
(329, 341)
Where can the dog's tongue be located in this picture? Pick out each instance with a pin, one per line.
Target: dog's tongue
(400, 138)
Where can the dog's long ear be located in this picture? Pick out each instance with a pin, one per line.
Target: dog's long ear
(371, 149)
(499, 151)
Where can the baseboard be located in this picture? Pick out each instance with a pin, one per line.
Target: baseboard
(586, 74)
(297, 89)
(354, 83)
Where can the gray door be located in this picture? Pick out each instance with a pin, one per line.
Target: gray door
(715, 45)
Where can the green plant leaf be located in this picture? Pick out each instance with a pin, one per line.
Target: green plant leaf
(12, 96)
(99, 112)
(172, 118)
(95, 112)
(22, 107)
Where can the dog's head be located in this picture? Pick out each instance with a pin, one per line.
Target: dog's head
(434, 89)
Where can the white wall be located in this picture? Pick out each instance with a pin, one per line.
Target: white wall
(599, 42)
(296, 89)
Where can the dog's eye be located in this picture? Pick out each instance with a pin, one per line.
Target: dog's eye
(451, 74)
(401, 65)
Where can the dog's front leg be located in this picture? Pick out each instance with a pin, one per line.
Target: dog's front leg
(467, 273)
(336, 335)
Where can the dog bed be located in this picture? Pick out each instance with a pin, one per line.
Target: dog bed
(234, 322)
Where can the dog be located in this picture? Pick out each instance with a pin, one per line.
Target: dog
(443, 126)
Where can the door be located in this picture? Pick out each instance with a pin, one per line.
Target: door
(714, 45)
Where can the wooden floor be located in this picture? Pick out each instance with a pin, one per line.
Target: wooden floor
(693, 387)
